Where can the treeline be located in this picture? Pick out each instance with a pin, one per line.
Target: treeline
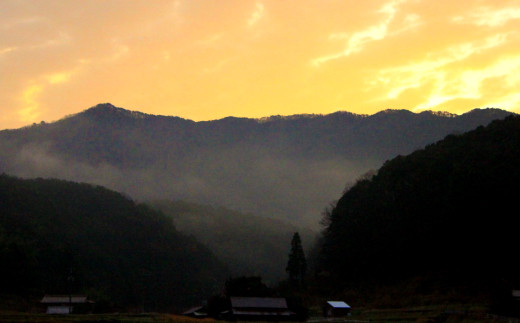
(447, 212)
(62, 237)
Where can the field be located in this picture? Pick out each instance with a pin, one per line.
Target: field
(91, 318)
(453, 314)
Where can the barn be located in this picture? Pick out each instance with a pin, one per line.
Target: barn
(260, 309)
(65, 304)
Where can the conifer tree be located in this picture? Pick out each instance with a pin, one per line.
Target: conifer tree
(297, 265)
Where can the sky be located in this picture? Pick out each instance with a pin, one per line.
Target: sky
(209, 59)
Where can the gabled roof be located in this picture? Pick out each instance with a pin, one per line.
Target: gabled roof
(258, 302)
(196, 311)
(64, 299)
(338, 304)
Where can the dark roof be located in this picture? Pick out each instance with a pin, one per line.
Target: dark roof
(258, 302)
(262, 313)
(196, 311)
(64, 299)
(193, 309)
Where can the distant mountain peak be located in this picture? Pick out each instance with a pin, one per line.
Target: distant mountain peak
(492, 111)
(393, 112)
(103, 109)
(106, 105)
(439, 113)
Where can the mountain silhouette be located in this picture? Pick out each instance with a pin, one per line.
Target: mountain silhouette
(442, 215)
(285, 167)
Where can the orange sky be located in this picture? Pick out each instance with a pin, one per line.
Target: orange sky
(208, 59)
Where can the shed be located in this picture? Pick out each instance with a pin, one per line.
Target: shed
(65, 304)
(260, 308)
(336, 309)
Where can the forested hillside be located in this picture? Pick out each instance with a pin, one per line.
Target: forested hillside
(121, 254)
(447, 212)
(247, 244)
(283, 167)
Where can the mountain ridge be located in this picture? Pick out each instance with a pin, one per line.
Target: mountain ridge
(105, 109)
(110, 108)
(282, 167)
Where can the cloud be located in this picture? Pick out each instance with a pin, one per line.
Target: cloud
(468, 85)
(356, 41)
(30, 109)
(449, 82)
(257, 14)
(490, 17)
(57, 78)
(6, 50)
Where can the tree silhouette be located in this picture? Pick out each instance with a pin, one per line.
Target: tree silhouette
(297, 265)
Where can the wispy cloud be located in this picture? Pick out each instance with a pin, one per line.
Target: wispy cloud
(257, 14)
(30, 106)
(356, 41)
(486, 16)
(6, 50)
(447, 83)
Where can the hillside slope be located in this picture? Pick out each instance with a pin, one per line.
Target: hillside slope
(115, 250)
(447, 211)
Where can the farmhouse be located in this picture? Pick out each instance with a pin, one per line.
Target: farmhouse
(259, 308)
(66, 304)
(336, 309)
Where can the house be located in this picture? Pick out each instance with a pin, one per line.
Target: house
(196, 312)
(260, 309)
(336, 309)
(66, 304)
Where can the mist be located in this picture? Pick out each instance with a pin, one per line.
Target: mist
(292, 189)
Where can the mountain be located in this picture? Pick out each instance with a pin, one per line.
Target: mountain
(122, 254)
(282, 167)
(247, 244)
(445, 212)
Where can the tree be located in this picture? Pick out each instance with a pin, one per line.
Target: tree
(297, 265)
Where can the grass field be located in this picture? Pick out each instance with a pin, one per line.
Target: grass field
(435, 313)
(91, 318)
(419, 314)
(449, 312)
